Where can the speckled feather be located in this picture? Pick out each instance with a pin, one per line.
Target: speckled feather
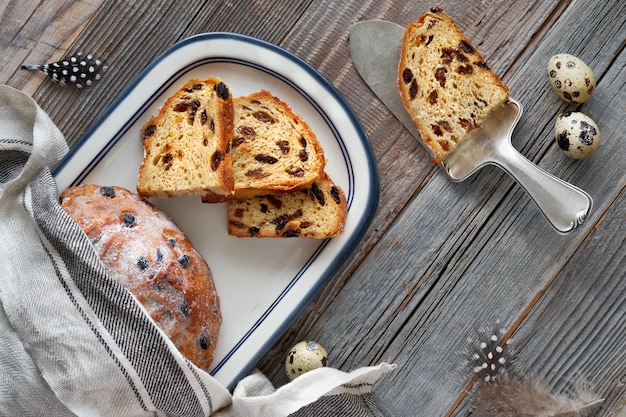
(78, 70)
(502, 390)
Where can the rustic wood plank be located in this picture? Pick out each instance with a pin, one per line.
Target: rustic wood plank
(423, 268)
(37, 33)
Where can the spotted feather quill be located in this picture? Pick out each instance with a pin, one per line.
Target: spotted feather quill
(78, 70)
(505, 391)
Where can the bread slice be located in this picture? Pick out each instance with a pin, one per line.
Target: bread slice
(273, 148)
(318, 211)
(187, 144)
(445, 84)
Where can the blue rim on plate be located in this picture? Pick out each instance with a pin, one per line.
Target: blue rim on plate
(354, 163)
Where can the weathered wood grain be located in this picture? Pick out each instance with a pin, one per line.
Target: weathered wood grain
(427, 285)
(37, 32)
(442, 261)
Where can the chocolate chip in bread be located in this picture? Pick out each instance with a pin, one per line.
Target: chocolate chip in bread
(187, 144)
(445, 84)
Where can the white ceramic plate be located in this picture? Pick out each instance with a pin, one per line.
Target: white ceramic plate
(263, 283)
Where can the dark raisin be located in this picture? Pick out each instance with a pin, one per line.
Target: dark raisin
(430, 39)
(172, 242)
(238, 141)
(432, 97)
(303, 155)
(212, 125)
(129, 219)
(222, 90)
(440, 75)
(253, 231)
(205, 142)
(247, 131)
(239, 213)
(257, 173)
(264, 208)
(334, 193)
(319, 194)
(183, 261)
(280, 222)
(466, 124)
(465, 69)
(167, 158)
(284, 147)
(216, 160)
(483, 65)
(204, 117)
(303, 141)
(305, 224)
(437, 130)
(567, 95)
(446, 55)
(263, 117)
(204, 341)
(466, 47)
(275, 201)
(295, 171)
(266, 159)
(108, 191)
(413, 89)
(291, 233)
(445, 125)
(143, 263)
(194, 86)
(407, 75)
(184, 309)
(181, 106)
(149, 131)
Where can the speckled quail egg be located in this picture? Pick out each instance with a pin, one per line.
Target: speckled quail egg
(577, 134)
(304, 357)
(571, 78)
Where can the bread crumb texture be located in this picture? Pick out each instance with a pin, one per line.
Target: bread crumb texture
(318, 211)
(187, 144)
(273, 148)
(445, 84)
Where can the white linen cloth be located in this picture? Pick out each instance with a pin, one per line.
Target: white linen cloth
(74, 342)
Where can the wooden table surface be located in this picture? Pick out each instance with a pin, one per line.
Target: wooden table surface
(442, 263)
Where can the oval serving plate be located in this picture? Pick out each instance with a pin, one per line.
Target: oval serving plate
(263, 284)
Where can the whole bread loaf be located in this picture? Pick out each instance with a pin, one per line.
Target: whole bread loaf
(145, 251)
(187, 144)
(318, 211)
(445, 84)
(273, 148)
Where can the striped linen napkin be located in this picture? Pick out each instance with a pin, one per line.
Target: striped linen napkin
(76, 343)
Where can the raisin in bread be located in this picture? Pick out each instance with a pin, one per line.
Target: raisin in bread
(445, 84)
(187, 144)
(141, 248)
(273, 148)
(318, 211)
